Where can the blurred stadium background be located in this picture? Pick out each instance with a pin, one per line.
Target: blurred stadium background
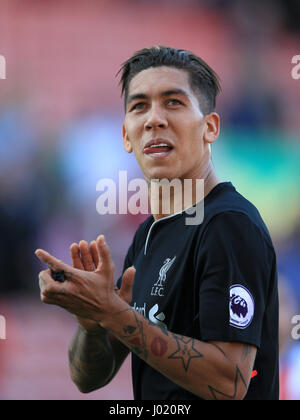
(60, 132)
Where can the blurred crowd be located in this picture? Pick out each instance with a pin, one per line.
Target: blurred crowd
(61, 116)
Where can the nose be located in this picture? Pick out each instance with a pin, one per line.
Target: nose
(156, 118)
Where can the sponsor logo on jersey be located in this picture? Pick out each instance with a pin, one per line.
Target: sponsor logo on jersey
(158, 287)
(241, 306)
(157, 317)
(140, 309)
(154, 315)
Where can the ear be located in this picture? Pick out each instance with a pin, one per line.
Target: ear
(126, 141)
(212, 129)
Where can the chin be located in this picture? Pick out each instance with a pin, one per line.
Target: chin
(161, 174)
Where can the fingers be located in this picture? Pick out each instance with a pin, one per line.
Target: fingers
(104, 251)
(95, 253)
(86, 257)
(51, 261)
(50, 289)
(83, 256)
(76, 257)
(56, 265)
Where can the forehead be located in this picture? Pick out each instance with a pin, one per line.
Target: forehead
(157, 79)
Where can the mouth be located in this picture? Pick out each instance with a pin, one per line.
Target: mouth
(158, 148)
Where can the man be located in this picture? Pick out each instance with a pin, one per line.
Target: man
(197, 304)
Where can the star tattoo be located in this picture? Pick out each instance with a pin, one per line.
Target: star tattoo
(185, 351)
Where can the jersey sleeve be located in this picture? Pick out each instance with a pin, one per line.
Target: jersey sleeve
(233, 265)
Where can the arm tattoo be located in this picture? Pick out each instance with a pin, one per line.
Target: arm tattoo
(163, 330)
(134, 335)
(176, 353)
(217, 393)
(136, 338)
(90, 358)
(159, 346)
(246, 351)
(186, 351)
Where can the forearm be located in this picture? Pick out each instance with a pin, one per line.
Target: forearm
(199, 367)
(91, 359)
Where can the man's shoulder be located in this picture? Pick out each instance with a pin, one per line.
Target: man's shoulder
(225, 197)
(226, 206)
(145, 225)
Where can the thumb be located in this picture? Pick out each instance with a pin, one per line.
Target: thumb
(127, 284)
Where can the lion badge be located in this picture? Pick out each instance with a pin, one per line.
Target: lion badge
(241, 306)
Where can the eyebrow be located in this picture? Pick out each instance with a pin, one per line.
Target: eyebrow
(166, 93)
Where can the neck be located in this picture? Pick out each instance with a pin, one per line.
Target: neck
(169, 197)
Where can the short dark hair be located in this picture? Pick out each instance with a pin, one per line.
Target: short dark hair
(201, 77)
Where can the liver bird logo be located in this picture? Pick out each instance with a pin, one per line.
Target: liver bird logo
(163, 271)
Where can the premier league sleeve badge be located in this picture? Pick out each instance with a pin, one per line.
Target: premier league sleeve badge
(241, 306)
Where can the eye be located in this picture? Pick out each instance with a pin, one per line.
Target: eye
(174, 102)
(138, 106)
